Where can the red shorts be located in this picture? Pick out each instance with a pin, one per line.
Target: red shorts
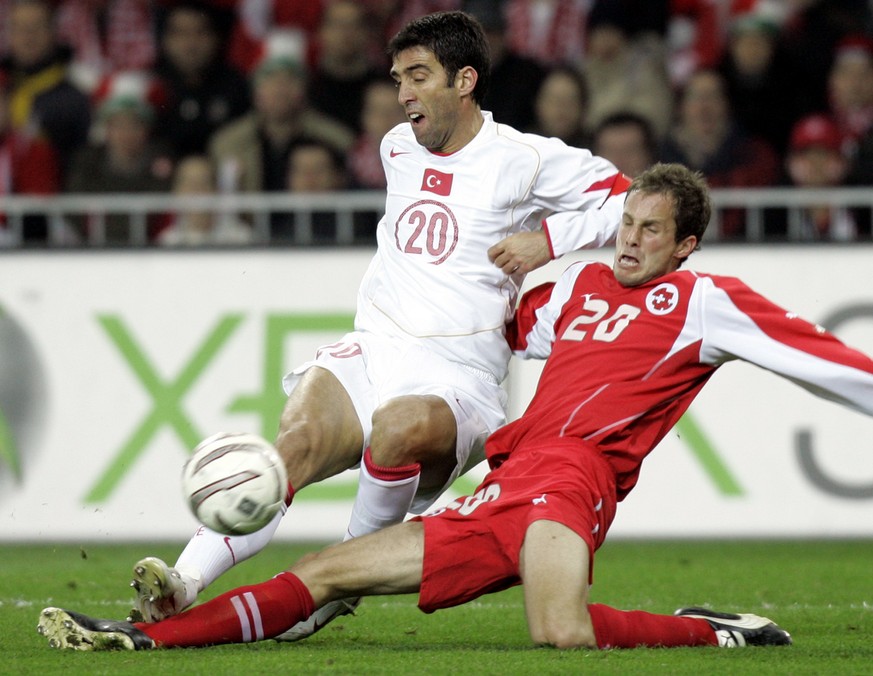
(472, 546)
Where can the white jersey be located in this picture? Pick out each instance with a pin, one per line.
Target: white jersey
(430, 281)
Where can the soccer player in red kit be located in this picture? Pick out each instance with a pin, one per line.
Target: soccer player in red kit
(628, 349)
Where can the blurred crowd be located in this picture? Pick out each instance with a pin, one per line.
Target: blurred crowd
(197, 97)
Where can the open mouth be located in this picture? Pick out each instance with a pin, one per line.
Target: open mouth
(416, 118)
(628, 261)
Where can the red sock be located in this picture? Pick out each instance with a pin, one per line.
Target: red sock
(631, 629)
(241, 615)
(389, 473)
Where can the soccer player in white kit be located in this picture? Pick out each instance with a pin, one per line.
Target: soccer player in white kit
(412, 393)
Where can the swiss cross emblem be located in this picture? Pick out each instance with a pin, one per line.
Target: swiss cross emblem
(663, 299)
(437, 182)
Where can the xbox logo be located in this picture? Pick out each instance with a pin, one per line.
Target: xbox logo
(22, 402)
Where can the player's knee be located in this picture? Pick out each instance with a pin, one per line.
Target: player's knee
(563, 634)
(409, 429)
(306, 449)
(298, 437)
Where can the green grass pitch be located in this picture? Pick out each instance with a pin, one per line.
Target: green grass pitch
(821, 591)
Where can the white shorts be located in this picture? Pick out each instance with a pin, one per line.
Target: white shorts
(374, 369)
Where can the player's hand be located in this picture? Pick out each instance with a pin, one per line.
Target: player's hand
(520, 253)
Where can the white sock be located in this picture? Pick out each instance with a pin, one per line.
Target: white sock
(209, 555)
(381, 502)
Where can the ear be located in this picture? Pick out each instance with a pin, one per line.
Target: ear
(685, 247)
(465, 80)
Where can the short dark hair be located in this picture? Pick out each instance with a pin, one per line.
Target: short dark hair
(456, 40)
(576, 76)
(625, 118)
(337, 159)
(686, 189)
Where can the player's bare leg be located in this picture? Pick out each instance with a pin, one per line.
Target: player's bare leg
(319, 431)
(412, 445)
(553, 566)
(386, 562)
(320, 436)
(554, 569)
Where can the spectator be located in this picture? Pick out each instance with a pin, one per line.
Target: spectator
(850, 87)
(561, 107)
(252, 152)
(37, 69)
(107, 37)
(625, 72)
(127, 160)
(549, 31)
(626, 140)
(314, 167)
(764, 86)
(344, 65)
(203, 92)
(515, 79)
(392, 15)
(380, 114)
(195, 175)
(28, 166)
(815, 160)
(707, 138)
(811, 35)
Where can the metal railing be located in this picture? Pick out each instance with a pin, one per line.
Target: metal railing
(60, 211)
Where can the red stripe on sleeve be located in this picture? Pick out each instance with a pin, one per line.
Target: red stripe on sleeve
(549, 239)
(617, 184)
(525, 316)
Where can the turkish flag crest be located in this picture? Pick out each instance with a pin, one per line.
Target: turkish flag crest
(437, 182)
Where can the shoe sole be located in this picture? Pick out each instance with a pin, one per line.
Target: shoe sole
(64, 633)
(764, 631)
(151, 579)
(152, 582)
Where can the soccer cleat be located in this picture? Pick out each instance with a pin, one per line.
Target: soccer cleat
(161, 591)
(327, 613)
(67, 630)
(737, 630)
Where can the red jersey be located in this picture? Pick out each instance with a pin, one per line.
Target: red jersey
(626, 362)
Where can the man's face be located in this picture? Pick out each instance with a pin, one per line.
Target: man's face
(311, 169)
(432, 107)
(30, 34)
(279, 96)
(646, 245)
(704, 108)
(381, 113)
(625, 146)
(189, 41)
(850, 83)
(817, 167)
(560, 106)
(343, 31)
(126, 135)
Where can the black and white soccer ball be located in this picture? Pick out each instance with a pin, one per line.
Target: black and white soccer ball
(235, 483)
